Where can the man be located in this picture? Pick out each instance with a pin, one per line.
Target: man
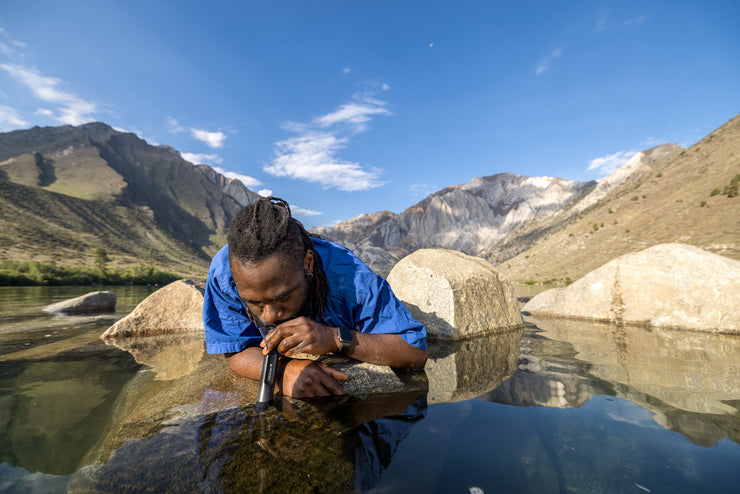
(309, 296)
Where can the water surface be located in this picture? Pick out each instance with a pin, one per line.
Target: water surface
(561, 407)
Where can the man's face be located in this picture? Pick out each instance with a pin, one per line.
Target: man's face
(273, 290)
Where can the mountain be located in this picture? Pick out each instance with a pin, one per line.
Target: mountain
(548, 230)
(472, 217)
(690, 197)
(66, 191)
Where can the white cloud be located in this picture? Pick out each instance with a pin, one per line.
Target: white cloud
(72, 109)
(265, 192)
(245, 179)
(431, 45)
(346, 70)
(173, 126)
(385, 87)
(545, 64)
(312, 157)
(9, 119)
(8, 46)
(356, 114)
(602, 22)
(203, 158)
(304, 212)
(423, 190)
(313, 154)
(211, 139)
(635, 21)
(44, 112)
(607, 164)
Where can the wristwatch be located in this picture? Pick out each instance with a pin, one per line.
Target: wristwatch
(345, 339)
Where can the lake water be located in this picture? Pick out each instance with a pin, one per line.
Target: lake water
(561, 406)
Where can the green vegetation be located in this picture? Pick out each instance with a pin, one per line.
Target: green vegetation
(101, 258)
(732, 189)
(715, 191)
(35, 273)
(635, 198)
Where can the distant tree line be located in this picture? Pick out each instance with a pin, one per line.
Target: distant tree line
(18, 273)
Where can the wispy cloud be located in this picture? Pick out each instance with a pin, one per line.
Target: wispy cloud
(604, 165)
(313, 154)
(605, 21)
(299, 211)
(202, 158)
(9, 119)
(211, 139)
(423, 190)
(71, 109)
(249, 182)
(173, 126)
(9, 46)
(544, 66)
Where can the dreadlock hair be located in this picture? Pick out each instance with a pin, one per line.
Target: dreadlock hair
(266, 228)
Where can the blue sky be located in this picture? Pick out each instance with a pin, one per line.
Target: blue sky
(345, 107)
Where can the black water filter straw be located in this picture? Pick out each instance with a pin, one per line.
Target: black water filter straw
(267, 380)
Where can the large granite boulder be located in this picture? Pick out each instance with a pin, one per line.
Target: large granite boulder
(668, 285)
(455, 295)
(175, 308)
(90, 303)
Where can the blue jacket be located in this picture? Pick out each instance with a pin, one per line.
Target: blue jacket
(358, 299)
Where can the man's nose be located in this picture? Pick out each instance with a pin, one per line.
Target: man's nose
(271, 314)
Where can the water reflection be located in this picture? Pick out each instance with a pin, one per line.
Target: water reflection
(690, 381)
(463, 369)
(329, 447)
(53, 410)
(169, 356)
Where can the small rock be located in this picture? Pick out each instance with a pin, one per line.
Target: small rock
(90, 303)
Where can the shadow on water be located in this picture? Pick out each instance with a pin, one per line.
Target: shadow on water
(561, 406)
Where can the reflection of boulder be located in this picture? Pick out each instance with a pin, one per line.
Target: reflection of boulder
(175, 308)
(169, 356)
(668, 285)
(462, 370)
(697, 372)
(548, 377)
(90, 303)
(688, 381)
(455, 295)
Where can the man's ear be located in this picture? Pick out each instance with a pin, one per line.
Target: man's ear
(308, 261)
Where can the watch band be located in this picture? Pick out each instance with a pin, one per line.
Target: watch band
(345, 339)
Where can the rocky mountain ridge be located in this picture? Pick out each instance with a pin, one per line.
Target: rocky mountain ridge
(483, 215)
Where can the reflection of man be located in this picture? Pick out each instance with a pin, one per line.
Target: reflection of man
(242, 452)
(310, 295)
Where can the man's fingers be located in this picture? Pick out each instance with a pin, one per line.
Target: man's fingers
(334, 373)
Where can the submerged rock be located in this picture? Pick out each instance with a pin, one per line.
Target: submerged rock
(455, 295)
(668, 285)
(175, 308)
(90, 303)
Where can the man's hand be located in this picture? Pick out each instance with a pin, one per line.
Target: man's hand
(296, 378)
(306, 379)
(301, 335)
